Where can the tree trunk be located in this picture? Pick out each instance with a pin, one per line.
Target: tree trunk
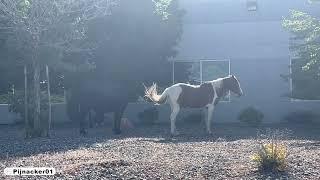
(26, 120)
(37, 128)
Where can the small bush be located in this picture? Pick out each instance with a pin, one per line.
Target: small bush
(4, 98)
(16, 101)
(271, 156)
(272, 151)
(301, 117)
(56, 98)
(16, 104)
(251, 116)
(148, 116)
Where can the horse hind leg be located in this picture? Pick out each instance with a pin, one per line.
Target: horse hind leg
(175, 108)
(173, 117)
(209, 118)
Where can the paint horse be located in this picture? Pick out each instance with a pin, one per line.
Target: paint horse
(183, 95)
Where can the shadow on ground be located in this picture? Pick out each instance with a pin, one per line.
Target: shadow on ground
(271, 175)
(66, 137)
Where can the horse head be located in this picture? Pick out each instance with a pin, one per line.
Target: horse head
(232, 84)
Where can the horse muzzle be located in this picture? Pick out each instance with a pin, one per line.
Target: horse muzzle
(240, 94)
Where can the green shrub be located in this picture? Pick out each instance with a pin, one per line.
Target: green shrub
(4, 98)
(16, 101)
(301, 117)
(16, 104)
(251, 116)
(148, 116)
(56, 98)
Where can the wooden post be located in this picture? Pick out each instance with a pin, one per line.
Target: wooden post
(49, 99)
(173, 72)
(65, 95)
(200, 63)
(26, 102)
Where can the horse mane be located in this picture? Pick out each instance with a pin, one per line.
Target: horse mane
(220, 88)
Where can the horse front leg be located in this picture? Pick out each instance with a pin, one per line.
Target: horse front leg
(209, 118)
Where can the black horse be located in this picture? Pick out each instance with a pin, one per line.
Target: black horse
(101, 97)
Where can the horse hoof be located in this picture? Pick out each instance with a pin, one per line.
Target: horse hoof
(117, 131)
(175, 134)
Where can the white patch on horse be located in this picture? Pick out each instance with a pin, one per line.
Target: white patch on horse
(217, 82)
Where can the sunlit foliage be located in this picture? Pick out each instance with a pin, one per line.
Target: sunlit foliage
(305, 50)
(306, 40)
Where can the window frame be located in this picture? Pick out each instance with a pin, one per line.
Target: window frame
(291, 86)
(200, 61)
(252, 5)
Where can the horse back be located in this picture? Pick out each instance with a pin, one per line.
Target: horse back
(196, 96)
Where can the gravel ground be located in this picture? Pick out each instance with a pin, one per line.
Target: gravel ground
(150, 153)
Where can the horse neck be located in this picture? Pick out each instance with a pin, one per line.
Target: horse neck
(220, 87)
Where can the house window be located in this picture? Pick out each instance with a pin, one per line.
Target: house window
(198, 71)
(186, 72)
(252, 5)
(304, 85)
(314, 1)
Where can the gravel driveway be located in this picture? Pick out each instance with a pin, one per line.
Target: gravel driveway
(150, 153)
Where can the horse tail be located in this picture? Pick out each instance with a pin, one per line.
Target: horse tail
(153, 95)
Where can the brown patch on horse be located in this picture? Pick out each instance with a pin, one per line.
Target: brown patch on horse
(196, 97)
(229, 83)
(226, 85)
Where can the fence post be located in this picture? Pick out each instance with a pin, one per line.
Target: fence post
(172, 71)
(49, 100)
(200, 63)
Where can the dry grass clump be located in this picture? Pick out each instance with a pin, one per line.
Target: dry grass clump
(271, 157)
(272, 152)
